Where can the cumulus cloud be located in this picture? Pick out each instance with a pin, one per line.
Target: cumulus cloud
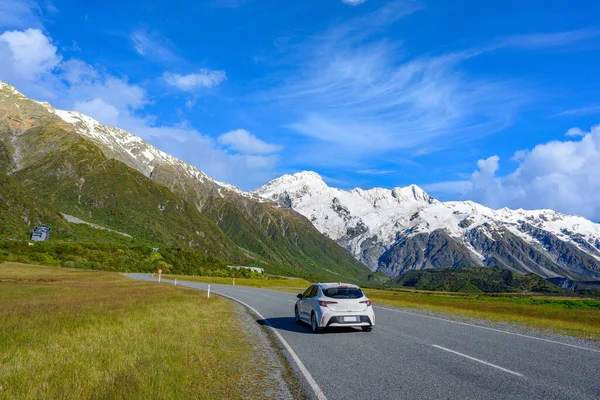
(27, 53)
(205, 78)
(100, 110)
(575, 132)
(32, 63)
(244, 142)
(560, 175)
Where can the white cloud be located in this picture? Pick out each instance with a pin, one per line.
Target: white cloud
(353, 2)
(575, 132)
(366, 98)
(27, 53)
(242, 141)
(19, 14)
(152, 45)
(205, 78)
(592, 110)
(560, 175)
(548, 39)
(376, 171)
(33, 65)
(100, 110)
(247, 171)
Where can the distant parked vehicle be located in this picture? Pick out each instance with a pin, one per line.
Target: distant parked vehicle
(327, 305)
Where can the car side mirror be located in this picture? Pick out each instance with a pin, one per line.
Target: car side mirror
(299, 295)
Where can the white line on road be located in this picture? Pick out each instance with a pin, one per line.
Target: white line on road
(313, 384)
(490, 329)
(478, 360)
(311, 381)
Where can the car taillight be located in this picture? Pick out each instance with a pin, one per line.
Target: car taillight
(367, 302)
(324, 303)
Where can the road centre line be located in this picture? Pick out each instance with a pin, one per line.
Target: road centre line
(478, 360)
(489, 329)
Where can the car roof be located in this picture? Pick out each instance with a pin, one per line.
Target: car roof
(337, 284)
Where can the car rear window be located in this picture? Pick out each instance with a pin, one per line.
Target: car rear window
(343, 293)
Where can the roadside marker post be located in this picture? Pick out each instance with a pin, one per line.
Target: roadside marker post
(159, 274)
(175, 281)
(208, 291)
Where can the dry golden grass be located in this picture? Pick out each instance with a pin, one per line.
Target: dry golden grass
(270, 283)
(75, 334)
(570, 316)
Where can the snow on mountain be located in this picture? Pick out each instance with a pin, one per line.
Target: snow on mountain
(135, 152)
(334, 212)
(372, 223)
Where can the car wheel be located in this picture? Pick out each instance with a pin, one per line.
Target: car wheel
(367, 328)
(313, 323)
(297, 315)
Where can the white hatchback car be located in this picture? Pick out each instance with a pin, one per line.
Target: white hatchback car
(334, 305)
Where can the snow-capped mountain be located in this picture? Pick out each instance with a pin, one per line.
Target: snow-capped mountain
(405, 228)
(114, 178)
(137, 153)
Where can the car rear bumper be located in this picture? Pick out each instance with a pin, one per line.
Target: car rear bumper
(336, 318)
(362, 320)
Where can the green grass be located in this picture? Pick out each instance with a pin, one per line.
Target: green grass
(77, 334)
(268, 283)
(569, 316)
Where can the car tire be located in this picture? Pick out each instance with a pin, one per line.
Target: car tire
(313, 323)
(367, 328)
(297, 315)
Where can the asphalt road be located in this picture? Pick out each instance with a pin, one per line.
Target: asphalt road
(412, 356)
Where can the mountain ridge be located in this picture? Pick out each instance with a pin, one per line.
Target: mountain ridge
(404, 228)
(113, 178)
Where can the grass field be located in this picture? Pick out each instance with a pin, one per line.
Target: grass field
(291, 284)
(75, 334)
(569, 316)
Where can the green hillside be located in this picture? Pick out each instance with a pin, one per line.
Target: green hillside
(286, 238)
(71, 174)
(475, 280)
(47, 168)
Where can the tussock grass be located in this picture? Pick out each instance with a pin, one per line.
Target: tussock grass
(565, 315)
(76, 334)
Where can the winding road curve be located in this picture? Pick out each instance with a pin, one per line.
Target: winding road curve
(414, 356)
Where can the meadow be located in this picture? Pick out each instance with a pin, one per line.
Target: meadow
(69, 333)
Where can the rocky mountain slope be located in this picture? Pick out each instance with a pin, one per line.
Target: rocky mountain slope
(108, 176)
(403, 229)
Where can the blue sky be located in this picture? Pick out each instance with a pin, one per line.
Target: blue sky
(470, 100)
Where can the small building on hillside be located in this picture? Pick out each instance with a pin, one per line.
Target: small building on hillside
(40, 233)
